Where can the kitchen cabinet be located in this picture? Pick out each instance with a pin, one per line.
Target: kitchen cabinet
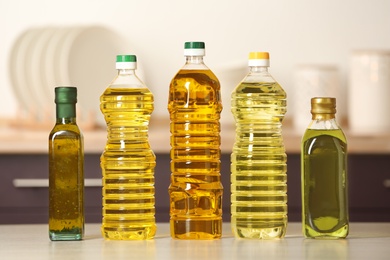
(369, 194)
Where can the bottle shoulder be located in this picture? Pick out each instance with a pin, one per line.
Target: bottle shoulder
(203, 77)
(313, 135)
(130, 81)
(63, 131)
(248, 88)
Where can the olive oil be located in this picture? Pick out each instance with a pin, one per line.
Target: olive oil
(128, 162)
(195, 190)
(66, 171)
(258, 161)
(324, 179)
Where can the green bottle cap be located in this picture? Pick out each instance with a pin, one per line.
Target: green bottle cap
(126, 58)
(126, 62)
(66, 99)
(194, 45)
(194, 49)
(65, 95)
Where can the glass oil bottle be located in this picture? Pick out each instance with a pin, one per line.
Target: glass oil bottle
(324, 174)
(66, 170)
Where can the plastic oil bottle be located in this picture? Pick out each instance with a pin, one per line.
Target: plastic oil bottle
(324, 174)
(66, 170)
(258, 160)
(196, 189)
(128, 162)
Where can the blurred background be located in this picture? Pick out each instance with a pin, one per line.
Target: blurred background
(337, 48)
(294, 32)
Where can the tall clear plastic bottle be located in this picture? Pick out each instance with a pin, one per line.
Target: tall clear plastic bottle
(128, 162)
(258, 161)
(196, 189)
(324, 174)
(66, 170)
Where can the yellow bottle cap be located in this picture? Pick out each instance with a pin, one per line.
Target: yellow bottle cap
(258, 59)
(259, 56)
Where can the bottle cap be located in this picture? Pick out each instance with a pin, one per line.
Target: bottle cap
(126, 62)
(260, 59)
(194, 49)
(325, 106)
(65, 95)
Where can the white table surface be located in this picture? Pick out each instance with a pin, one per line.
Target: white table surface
(368, 241)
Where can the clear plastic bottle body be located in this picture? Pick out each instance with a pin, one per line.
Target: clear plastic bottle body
(66, 177)
(258, 160)
(128, 161)
(324, 180)
(196, 189)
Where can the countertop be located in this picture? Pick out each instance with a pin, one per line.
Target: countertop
(366, 241)
(35, 140)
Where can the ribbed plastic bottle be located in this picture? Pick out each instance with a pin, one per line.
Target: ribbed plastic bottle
(128, 161)
(258, 161)
(196, 189)
(324, 174)
(66, 170)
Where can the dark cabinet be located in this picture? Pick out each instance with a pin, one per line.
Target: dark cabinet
(369, 197)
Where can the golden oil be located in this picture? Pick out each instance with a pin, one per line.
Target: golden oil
(66, 170)
(195, 190)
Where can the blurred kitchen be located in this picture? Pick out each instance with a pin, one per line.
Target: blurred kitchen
(317, 48)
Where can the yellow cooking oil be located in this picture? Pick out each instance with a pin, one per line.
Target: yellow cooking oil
(324, 184)
(66, 170)
(195, 190)
(258, 160)
(128, 161)
(66, 178)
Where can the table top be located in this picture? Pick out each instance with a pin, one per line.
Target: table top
(366, 241)
(25, 140)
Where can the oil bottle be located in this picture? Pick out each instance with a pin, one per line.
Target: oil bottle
(258, 160)
(324, 174)
(66, 170)
(128, 161)
(196, 189)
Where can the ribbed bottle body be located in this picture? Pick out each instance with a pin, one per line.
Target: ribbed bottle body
(258, 162)
(195, 190)
(128, 164)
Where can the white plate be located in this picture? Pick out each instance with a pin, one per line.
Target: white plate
(55, 67)
(84, 57)
(35, 74)
(91, 66)
(19, 53)
(50, 59)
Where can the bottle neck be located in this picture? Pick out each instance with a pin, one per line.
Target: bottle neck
(324, 122)
(194, 60)
(259, 74)
(66, 113)
(258, 69)
(126, 72)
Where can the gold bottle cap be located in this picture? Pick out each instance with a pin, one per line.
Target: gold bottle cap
(323, 107)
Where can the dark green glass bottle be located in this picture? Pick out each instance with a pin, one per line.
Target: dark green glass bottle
(66, 170)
